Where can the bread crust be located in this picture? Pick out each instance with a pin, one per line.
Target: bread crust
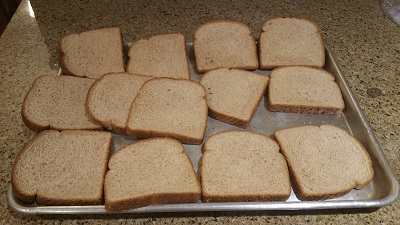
(231, 119)
(154, 198)
(201, 69)
(223, 197)
(150, 134)
(109, 124)
(42, 199)
(302, 109)
(149, 39)
(299, 108)
(298, 189)
(36, 126)
(261, 51)
(66, 68)
(146, 133)
(25, 197)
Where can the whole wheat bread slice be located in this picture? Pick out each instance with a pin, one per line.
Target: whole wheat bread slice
(58, 103)
(233, 95)
(304, 90)
(224, 44)
(166, 107)
(110, 98)
(159, 56)
(286, 41)
(150, 172)
(324, 161)
(241, 166)
(62, 168)
(92, 53)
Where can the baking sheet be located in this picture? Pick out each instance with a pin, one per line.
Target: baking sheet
(382, 190)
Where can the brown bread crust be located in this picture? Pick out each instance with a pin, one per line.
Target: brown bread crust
(261, 52)
(223, 197)
(36, 126)
(298, 185)
(203, 69)
(43, 199)
(150, 132)
(155, 198)
(66, 68)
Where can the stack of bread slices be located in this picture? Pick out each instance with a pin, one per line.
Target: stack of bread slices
(153, 98)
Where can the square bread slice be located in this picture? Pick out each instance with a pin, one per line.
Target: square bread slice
(150, 172)
(324, 161)
(166, 107)
(233, 95)
(110, 98)
(62, 168)
(159, 56)
(300, 89)
(243, 166)
(286, 41)
(58, 103)
(92, 53)
(224, 44)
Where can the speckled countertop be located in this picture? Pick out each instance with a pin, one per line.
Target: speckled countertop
(363, 39)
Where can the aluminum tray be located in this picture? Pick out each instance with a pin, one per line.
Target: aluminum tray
(383, 189)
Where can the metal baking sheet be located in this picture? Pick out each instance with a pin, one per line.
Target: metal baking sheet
(382, 191)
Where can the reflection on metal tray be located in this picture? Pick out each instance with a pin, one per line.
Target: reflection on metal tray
(382, 190)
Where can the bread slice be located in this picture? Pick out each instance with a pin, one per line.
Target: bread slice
(304, 90)
(92, 53)
(166, 107)
(241, 166)
(223, 85)
(324, 161)
(159, 56)
(286, 41)
(58, 103)
(110, 98)
(150, 172)
(224, 43)
(62, 168)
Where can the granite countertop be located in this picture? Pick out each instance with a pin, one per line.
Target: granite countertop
(364, 40)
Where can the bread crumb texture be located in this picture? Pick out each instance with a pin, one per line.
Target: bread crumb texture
(148, 172)
(325, 161)
(169, 107)
(243, 166)
(286, 41)
(224, 44)
(304, 90)
(62, 168)
(92, 53)
(233, 95)
(160, 56)
(58, 103)
(110, 98)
